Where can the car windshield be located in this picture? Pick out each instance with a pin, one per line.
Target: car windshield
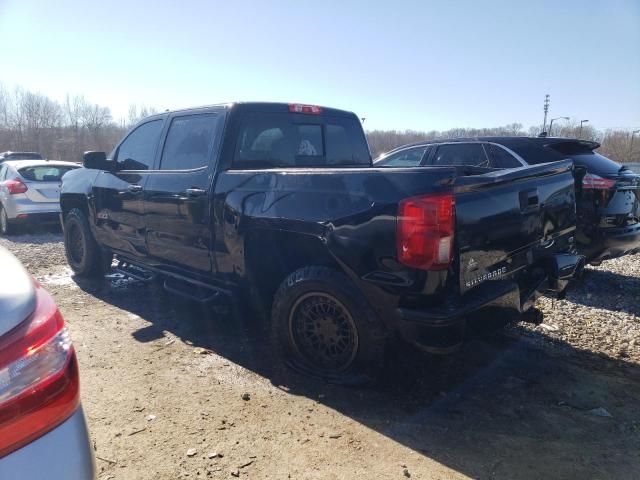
(45, 173)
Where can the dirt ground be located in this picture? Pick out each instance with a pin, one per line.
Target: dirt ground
(163, 383)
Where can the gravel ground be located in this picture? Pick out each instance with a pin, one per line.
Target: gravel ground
(601, 314)
(171, 390)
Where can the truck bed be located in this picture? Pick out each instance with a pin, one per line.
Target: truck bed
(504, 219)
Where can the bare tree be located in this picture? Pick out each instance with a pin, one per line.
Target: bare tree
(138, 112)
(32, 121)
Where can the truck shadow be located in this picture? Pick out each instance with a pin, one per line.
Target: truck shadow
(501, 408)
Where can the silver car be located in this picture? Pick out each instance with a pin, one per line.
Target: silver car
(43, 433)
(30, 192)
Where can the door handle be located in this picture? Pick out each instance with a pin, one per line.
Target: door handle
(135, 188)
(195, 192)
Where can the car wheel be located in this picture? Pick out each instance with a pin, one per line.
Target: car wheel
(5, 226)
(322, 325)
(84, 255)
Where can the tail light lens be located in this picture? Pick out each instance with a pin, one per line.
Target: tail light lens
(39, 386)
(425, 230)
(595, 182)
(15, 186)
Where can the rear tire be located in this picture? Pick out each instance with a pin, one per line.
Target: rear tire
(323, 326)
(85, 257)
(6, 228)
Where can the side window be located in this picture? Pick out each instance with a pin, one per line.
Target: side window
(406, 158)
(500, 158)
(471, 154)
(3, 171)
(190, 142)
(137, 150)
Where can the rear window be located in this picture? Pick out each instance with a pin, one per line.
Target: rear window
(594, 162)
(44, 173)
(271, 140)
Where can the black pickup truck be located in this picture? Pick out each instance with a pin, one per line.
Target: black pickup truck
(282, 201)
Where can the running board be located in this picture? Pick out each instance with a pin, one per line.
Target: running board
(197, 293)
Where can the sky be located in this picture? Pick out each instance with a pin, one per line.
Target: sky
(420, 65)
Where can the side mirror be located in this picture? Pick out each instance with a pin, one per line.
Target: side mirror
(96, 161)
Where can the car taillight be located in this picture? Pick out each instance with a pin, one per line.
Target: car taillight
(15, 186)
(425, 229)
(298, 108)
(595, 182)
(39, 384)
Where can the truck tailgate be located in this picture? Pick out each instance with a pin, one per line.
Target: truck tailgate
(504, 218)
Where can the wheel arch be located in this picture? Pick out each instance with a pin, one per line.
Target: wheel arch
(272, 255)
(69, 201)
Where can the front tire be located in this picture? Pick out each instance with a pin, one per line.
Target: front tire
(84, 255)
(323, 326)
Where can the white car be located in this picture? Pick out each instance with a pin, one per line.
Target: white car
(30, 192)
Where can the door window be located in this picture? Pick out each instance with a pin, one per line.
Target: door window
(410, 157)
(500, 158)
(190, 142)
(471, 154)
(138, 149)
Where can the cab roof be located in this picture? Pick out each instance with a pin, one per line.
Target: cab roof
(266, 107)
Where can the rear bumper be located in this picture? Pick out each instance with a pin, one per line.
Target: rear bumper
(443, 329)
(615, 242)
(40, 218)
(63, 453)
(17, 207)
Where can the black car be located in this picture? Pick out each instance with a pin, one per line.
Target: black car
(281, 203)
(607, 193)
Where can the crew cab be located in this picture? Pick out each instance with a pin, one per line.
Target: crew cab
(281, 203)
(607, 193)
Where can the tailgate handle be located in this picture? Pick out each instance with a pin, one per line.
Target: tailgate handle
(529, 199)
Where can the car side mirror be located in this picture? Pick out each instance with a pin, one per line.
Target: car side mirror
(97, 161)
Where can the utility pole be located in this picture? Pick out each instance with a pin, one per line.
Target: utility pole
(546, 111)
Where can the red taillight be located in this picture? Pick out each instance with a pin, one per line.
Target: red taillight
(39, 386)
(425, 231)
(298, 108)
(596, 182)
(15, 186)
